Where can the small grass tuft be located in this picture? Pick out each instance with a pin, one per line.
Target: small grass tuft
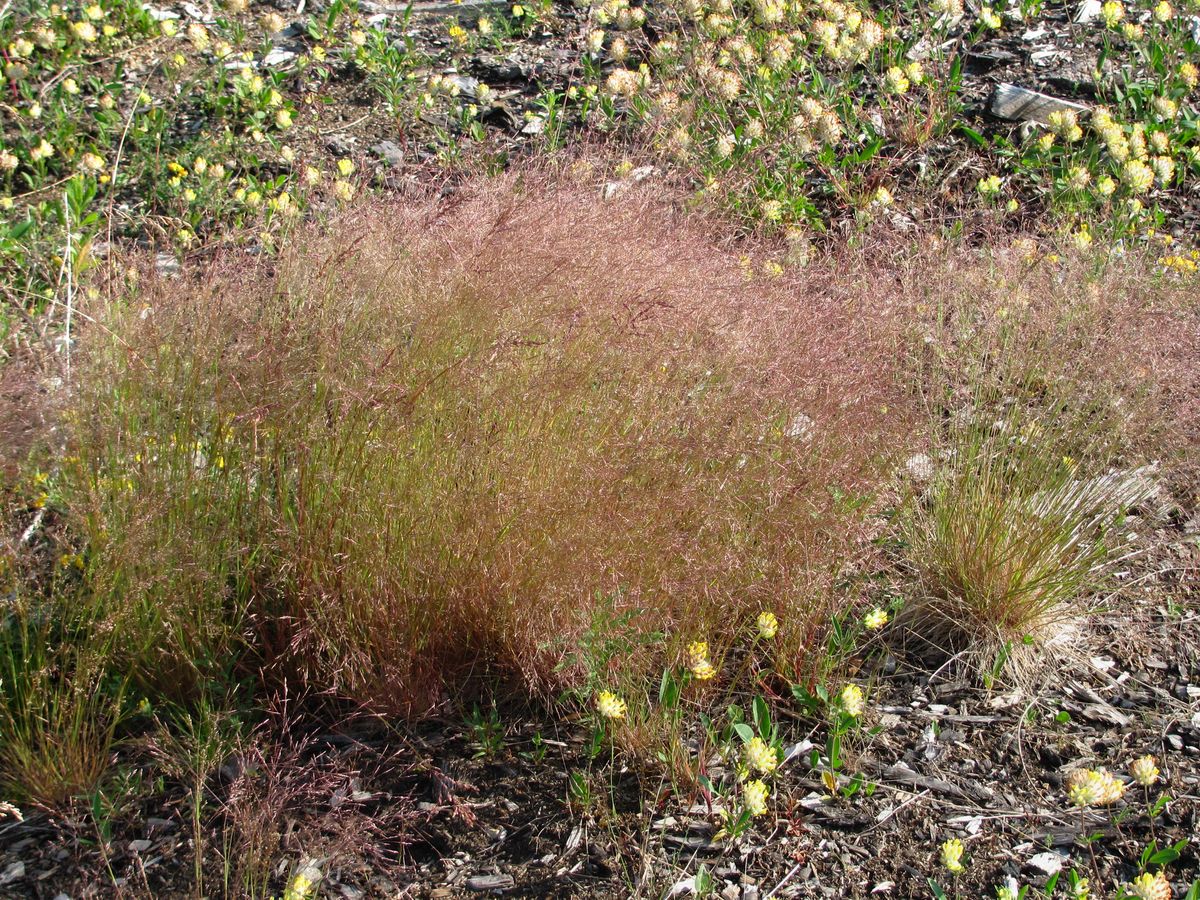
(1012, 539)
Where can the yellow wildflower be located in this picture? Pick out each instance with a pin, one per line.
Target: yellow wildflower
(84, 30)
(988, 187)
(761, 757)
(1144, 771)
(895, 81)
(875, 619)
(952, 854)
(610, 706)
(1149, 887)
(701, 668)
(754, 797)
(768, 624)
(198, 36)
(43, 150)
(852, 700)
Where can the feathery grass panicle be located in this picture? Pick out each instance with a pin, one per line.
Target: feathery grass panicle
(414, 447)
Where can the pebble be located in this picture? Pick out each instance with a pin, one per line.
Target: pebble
(1047, 863)
(919, 467)
(167, 265)
(278, 57)
(197, 13)
(160, 15)
(390, 153)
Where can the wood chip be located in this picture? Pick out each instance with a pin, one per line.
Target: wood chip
(490, 883)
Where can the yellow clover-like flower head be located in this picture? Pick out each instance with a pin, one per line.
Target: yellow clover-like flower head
(952, 854)
(1144, 770)
(610, 706)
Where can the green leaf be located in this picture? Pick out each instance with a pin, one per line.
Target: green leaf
(762, 717)
(973, 136)
(1163, 857)
(833, 749)
(669, 690)
(744, 731)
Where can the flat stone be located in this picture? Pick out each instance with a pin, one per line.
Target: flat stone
(390, 153)
(1047, 863)
(167, 265)
(1018, 104)
(160, 15)
(464, 9)
(341, 144)
(195, 12)
(278, 56)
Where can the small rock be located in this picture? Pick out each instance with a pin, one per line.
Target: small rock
(160, 15)
(341, 144)
(1047, 863)
(1088, 11)
(390, 153)
(140, 846)
(1023, 105)
(1103, 712)
(919, 467)
(612, 188)
(277, 58)
(167, 265)
(197, 13)
(1049, 57)
(467, 86)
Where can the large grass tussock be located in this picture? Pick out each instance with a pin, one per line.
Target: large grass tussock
(423, 443)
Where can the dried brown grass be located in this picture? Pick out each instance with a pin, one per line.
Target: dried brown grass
(445, 427)
(423, 443)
